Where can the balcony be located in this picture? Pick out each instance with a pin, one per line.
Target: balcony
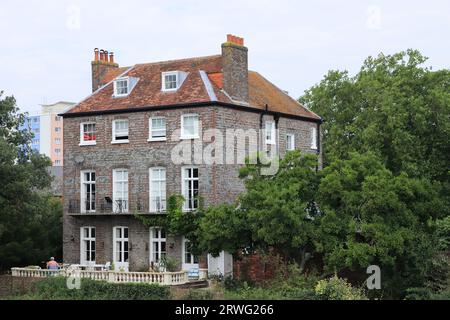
(105, 206)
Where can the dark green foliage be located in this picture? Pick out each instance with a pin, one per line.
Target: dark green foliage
(198, 294)
(30, 219)
(275, 211)
(443, 233)
(55, 288)
(394, 107)
(375, 217)
(418, 294)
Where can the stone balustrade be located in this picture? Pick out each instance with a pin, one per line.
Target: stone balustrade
(162, 278)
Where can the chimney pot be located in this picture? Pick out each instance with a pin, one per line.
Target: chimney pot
(96, 54)
(104, 62)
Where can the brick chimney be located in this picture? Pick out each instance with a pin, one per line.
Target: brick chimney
(100, 66)
(235, 68)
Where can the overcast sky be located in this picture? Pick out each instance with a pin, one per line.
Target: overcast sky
(46, 46)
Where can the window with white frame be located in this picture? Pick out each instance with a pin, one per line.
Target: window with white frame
(290, 142)
(58, 129)
(313, 138)
(190, 188)
(157, 189)
(57, 151)
(188, 256)
(170, 81)
(57, 140)
(120, 244)
(121, 87)
(120, 130)
(57, 118)
(87, 133)
(57, 162)
(87, 245)
(189, 126)
(88, 191)
(157, 128)
(270, 132)
(120, 190)
(157, 245)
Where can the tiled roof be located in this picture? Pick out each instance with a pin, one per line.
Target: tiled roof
(147, 92)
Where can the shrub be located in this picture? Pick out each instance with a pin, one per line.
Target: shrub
(443, 295)
(198, 294)
(55, 288)
(418, 294)
(169, 264)
(337, 289)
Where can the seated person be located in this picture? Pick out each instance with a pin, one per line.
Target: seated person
(52, 264)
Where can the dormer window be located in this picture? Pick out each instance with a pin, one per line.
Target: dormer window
(123, 86)
(172, 80)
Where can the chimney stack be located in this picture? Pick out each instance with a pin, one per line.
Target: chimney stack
(101, 65)
(235, 68)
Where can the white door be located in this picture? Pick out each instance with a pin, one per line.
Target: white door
(221, 265)
(190, 261)
(120, 247)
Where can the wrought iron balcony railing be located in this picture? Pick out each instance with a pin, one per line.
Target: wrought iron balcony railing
(105, 206)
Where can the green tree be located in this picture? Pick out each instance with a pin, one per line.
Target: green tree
(394, 107)
(275, 212)
(374, 217)
(30, 219)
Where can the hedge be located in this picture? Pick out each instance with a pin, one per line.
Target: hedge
(55, 288)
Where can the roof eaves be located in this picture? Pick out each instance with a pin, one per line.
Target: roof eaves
(194, 104)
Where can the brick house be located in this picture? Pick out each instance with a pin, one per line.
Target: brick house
(119, 150)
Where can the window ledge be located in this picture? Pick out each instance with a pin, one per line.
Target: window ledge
(314, 148)
(169, 90)
(189, 137)
(88, 143)
(119, 141)
(120, 95)
(271, 143)
(156, 139)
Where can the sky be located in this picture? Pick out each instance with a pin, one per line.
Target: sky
(46, 46)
